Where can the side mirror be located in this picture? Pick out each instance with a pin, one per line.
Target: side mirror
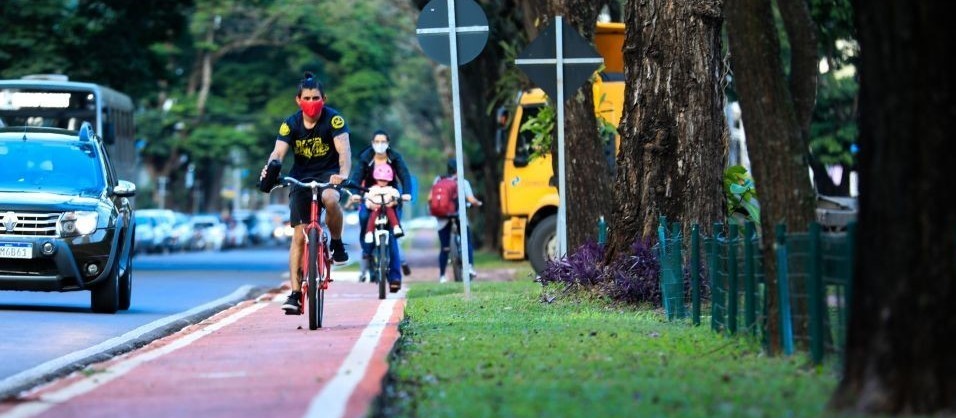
(124, 189)
(521, 160)
(501, 119)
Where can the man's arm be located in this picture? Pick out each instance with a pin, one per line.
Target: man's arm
(278, 153)
(345, 157)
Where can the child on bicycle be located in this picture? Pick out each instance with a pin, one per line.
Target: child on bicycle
(378, 193)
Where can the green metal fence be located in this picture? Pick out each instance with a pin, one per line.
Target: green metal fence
(813, 272)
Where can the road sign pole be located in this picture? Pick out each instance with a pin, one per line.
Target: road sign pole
(460, 169)
(562, 190)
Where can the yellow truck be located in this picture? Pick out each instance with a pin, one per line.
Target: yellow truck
(529, 197)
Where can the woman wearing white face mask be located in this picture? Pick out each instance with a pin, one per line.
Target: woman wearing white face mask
(380, 153)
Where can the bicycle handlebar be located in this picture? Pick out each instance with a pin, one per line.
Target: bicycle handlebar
(292, 181)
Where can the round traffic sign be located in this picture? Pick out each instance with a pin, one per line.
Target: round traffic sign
(471, 30)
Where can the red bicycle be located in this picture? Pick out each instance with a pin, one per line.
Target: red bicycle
(316, 264)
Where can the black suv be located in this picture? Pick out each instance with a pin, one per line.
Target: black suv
(66, 221)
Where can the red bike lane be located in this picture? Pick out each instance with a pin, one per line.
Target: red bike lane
(248, 361)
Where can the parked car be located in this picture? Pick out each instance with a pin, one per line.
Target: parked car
(237, 234)
(260, 225)
(163, 221)
(209, 232)
(145, 240)
(66, 222)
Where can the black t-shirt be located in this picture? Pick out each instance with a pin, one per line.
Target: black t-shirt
(315, 153)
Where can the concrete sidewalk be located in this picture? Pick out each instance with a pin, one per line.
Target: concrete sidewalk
(248, 361)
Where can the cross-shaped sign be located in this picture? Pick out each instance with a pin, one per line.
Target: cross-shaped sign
(559, 60)
(454, 32)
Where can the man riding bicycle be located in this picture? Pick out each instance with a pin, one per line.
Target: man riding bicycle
(319, 138)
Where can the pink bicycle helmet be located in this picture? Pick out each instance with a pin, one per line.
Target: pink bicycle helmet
(383, 172)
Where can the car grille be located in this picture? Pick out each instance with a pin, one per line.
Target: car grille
(28, 224)
(32, 267)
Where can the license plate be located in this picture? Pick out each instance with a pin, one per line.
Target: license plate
(16, 250)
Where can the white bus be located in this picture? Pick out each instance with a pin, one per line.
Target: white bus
(54, 101)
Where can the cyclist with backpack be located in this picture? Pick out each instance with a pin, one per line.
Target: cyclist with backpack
(443, 204)
(380, 152)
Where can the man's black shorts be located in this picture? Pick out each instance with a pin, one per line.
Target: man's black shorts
(300, 199)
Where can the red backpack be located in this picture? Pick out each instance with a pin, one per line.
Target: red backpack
(444, 197)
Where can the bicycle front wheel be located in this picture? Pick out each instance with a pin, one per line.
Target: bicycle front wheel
(382, 268)
(315, 289)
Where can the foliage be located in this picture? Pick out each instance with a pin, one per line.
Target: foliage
(632, 278)
(503, 353)
(68, 37)
(740, 193)
(581, 267)
(834, 130)
(542, 126)
(635, 277)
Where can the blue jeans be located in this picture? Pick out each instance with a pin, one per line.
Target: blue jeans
(444, 237)
(395, 260)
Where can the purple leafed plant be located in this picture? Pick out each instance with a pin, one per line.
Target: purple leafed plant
(583, 266)
(632, 278)
(635, 278)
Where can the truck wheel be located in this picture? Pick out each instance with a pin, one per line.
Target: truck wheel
(543, 244)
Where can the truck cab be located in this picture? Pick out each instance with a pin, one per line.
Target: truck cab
(529, 196)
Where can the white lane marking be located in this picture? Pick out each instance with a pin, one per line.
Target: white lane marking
(334, 397)
(119, 369)
(51, 366)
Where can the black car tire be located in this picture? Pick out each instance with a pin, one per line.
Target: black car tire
(126, 280)
(538, 243)
(126, 285)
(105, 297)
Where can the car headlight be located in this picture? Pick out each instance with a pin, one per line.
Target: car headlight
(77, 223)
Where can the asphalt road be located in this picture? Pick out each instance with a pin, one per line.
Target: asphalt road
(46, 333)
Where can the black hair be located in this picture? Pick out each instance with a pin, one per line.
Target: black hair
(452, 166)
(382, 132)
(310, 82)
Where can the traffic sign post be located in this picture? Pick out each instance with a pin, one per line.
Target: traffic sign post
(454, 33)
(557, 60)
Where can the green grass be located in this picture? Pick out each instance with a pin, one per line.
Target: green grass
(504, 353)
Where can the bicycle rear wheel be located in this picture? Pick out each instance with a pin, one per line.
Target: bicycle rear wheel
(382, 268)
(315, 292)
(454, 254)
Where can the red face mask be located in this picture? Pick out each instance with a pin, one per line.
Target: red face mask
(313, 108)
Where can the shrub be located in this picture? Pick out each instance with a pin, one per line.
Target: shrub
(583, 266)
(635, 277)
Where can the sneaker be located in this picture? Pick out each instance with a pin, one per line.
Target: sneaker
(397, 231)
(291, 305)
(394, 287)
(473, 273)
(369, 238)
(339, 255)
(405, 269)
(442, 279)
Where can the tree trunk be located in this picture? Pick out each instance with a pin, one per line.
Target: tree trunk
(587, 179)
(776, 119)
(899, 356)
(673, 134)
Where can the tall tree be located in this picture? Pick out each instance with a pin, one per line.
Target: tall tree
(776, 116)
(899, 357)
(587, 177)
(673, 134)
